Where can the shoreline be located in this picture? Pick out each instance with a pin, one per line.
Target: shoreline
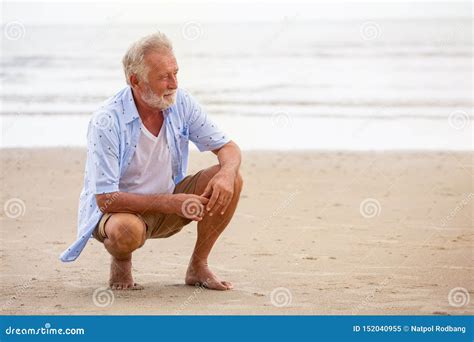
(257, 133)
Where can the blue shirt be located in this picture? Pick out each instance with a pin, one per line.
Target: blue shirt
(112, 138)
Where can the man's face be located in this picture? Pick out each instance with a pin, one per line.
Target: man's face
(159, 89)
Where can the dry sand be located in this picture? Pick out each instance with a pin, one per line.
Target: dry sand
(298, 244)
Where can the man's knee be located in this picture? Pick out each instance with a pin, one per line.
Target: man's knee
(213, 170)
(126, 232)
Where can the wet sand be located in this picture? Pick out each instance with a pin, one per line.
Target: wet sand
(315, 233)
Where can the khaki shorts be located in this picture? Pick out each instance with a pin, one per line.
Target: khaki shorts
(157, 225)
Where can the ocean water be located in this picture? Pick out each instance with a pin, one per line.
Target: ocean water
(292, 84)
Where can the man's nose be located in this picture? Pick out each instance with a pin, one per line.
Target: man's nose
(173, 83)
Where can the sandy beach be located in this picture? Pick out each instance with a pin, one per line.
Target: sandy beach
(315, 233)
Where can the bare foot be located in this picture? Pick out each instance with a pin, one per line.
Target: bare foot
(201, 275)
(121, 275)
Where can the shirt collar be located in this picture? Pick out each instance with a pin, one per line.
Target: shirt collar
(130, 110)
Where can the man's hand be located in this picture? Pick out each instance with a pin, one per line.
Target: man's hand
(189, 206)
(220, 190)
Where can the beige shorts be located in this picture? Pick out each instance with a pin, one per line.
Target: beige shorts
(157, 225)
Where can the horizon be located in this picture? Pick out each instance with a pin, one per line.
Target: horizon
(145, 12)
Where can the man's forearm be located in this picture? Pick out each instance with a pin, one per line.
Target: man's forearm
(229, 157)
(125, 202)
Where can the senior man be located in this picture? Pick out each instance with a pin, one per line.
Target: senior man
(135, 186)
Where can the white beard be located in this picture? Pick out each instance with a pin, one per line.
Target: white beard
(158, 102)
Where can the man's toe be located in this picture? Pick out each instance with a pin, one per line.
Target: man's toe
(136, 287)
(117, 286)
(227, 284)
(217, 285)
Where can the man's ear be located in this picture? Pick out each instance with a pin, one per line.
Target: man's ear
(133, 81)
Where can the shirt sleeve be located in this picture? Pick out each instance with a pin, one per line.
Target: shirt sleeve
(103, 143)
(203, 132)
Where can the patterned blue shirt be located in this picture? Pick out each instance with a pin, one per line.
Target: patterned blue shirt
(112, 138)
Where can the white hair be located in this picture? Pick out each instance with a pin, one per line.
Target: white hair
(134, 60)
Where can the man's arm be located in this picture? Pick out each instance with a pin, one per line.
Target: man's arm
(135, 203)
(229, 157)
(220, 188)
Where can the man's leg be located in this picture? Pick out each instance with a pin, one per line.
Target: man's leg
(208, 231)
(124, 234)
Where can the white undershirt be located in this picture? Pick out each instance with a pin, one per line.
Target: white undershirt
(149, 171)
